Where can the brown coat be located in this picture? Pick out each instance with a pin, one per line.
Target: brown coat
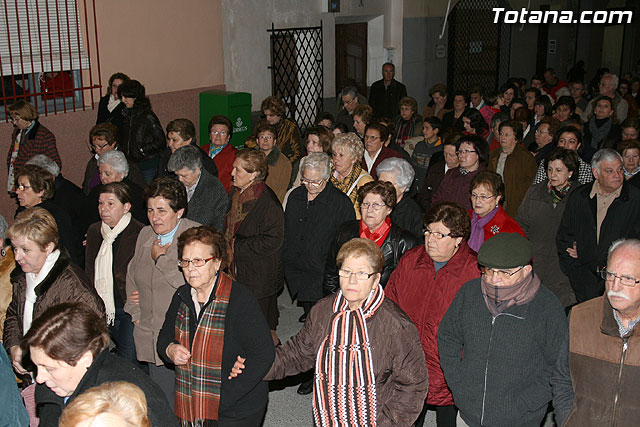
(519, 170)
(121, 258)
(66, 282)
(156, 282)
(7, 265)
(279, 173)
(601, 370)
(398, 360)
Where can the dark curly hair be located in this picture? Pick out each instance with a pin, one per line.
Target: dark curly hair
(221, 120)
(384, 189)
(170, 189)
(492, 180)
(206, 235)
(453, 216)
(568, 157)
(39, 180)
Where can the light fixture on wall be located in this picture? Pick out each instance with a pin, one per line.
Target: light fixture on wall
(333, 6)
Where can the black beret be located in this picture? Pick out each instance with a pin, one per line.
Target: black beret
(505, 250)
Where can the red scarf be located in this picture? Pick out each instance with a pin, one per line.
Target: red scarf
(378, 235)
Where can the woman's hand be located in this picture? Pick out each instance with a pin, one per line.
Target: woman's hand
(178, 354)
(16, 359)
(134, 297)
(573, 252)
(157, 250)
(238, 366)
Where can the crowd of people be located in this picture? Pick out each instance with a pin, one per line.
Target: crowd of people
(435, 258)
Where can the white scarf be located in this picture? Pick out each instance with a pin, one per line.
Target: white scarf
(34, 280)
(113, 103)
(104, 265)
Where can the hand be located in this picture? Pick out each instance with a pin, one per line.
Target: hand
(237, 367)
(134, 297)
(157, 250)
(16, 359)
(178, 354)
(573, 252)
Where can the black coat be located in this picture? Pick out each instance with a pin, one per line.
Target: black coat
(245, 333)
(163, 161)
(209, 203)
(409, 216)
(308, 231)
(105, 368)
(384, 100)
(579, 225)
(432, 181)
(398, 241)
(69, 197)
(141, 135)
(258, 245)
(114, 117)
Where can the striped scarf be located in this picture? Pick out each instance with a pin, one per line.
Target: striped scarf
(198, 383)
(344, 391)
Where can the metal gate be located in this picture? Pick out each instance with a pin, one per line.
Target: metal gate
(296, 71)
(479, 50)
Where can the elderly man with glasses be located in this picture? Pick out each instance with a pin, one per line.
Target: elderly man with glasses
(603, 348)
(503, 342)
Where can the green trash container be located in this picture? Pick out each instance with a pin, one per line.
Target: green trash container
(235, 105)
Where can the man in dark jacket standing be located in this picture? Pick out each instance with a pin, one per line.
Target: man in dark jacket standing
(386, 92)
(596, 215)
(604, 348)
(504, 342)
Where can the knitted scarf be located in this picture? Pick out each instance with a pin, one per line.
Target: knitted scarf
(344, 391)
(500, 298)
(198, 383)
(558, 195)
(378, 235)
(599, 133)
(404, 130)
(348, 184)
(241, 205)
(103, 278)
(476, 239)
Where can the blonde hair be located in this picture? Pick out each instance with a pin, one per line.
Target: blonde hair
(350, 143)
(119, 399)
(37, 225)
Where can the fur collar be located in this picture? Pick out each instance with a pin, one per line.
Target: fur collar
(274, 156)
(63, 262)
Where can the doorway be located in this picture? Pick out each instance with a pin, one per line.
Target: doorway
(351, 56)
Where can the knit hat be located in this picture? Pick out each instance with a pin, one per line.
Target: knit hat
(505, 250)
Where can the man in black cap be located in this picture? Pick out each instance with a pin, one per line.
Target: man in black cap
(504, 342)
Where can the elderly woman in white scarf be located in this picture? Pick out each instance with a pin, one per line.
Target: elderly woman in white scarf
(44, 276)
(111, 244)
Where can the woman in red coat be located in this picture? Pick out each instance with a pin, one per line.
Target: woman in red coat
(425, 282)
(487, 216)
(220, 149)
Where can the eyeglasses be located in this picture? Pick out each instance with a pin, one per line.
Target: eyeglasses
(197, 262)
(624, 280)
(482, 197)
(371, 137)
(347, 102)
(360, 275)
(464, 152)
(265, 137)
(221, 133)
(23, 187)
(99, 146)
(313, 182)
(374, 206)
(436, 234)
(502, 274)
(542, 131)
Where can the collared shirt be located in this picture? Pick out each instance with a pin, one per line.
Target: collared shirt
(625, 330)
(603, 202)
(371, 160)
(192, 189)
(196, 303)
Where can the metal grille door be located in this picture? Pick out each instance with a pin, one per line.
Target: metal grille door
(296, 71)
(478, 49)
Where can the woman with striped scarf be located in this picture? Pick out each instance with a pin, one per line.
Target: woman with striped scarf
(370, 369)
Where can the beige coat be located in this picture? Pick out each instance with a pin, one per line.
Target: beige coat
(279, 174)
(156, 283)
(7, 265)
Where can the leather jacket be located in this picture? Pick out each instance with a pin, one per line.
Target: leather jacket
(142, 136)
(398, 241)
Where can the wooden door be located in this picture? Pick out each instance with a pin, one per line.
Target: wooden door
(351, 56)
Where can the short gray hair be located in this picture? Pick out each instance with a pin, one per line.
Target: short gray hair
(351, 91)
(351, 143)
(402, 170)
(185, 157)
(613, 77)
(622, 243)
(320, 161)
(3, 227)
(45, 163)
(116, 159)
(604, 155)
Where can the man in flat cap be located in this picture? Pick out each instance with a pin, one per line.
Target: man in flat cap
(504, 342)
(604, 350)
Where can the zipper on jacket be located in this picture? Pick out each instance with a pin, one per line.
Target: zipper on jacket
(618, 380)
(486, 370)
